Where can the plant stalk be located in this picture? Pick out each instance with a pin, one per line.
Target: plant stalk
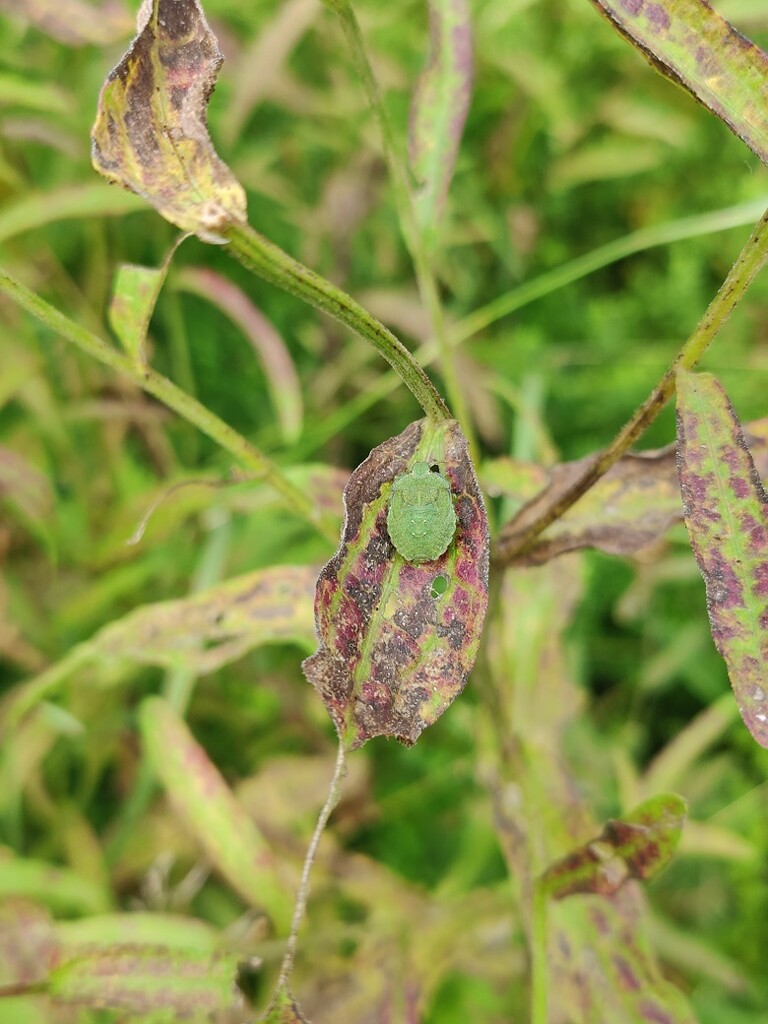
(749, 262)
(269, 262)
(413, 236)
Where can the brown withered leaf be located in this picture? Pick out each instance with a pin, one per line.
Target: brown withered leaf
(632, 506)
(151, 134)
(398, 639)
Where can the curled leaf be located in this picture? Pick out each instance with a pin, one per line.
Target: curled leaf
(726, 512)
(398, 638)
(151, 134)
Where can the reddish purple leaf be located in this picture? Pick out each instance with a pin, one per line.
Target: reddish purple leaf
(725, 509)
(398, 639)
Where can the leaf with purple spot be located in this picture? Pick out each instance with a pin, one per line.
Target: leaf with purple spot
(726, 512)
(698, 49)
(640, 845)
(398, 638)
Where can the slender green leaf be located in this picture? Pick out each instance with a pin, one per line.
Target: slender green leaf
(697, 48)
(209, 810)
(725, 508)
(134, 297)
(70, 202)
(174, 931)
(58, 888)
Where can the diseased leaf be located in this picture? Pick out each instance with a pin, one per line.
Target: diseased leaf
(151, 134)
(640, 845)
(398, 639)
(726, 512)
(694, 46)
(138, 979)
(440, 107)
(599, 959)
(206, 630)
(28, 943)
(279, 369)
(209, 810)
(73, 22)
(632, 506)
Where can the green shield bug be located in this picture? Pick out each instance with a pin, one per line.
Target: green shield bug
(421, 519)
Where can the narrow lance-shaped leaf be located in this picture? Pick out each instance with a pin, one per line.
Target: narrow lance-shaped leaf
(399, 628)
(136, 979)
(440, 107)
(209, 810)
(726, 512)
(694, 46)
(151, 134)
(640, 845)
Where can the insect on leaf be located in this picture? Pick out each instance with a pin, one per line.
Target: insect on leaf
(726, 512)
(151, 134)
(399, 609)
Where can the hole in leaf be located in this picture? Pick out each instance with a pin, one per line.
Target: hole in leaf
(439, 586)
(434, 468)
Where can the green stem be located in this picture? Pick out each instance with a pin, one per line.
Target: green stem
(167, 392)
(302, 893)
(750, 261)
(269, 262)
(413, 236)
(539, 972)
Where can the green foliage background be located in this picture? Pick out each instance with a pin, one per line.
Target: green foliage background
(572, 141)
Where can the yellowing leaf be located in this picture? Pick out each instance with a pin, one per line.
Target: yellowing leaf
(151, 134)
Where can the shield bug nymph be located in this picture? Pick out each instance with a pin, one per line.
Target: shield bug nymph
(421, 519)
